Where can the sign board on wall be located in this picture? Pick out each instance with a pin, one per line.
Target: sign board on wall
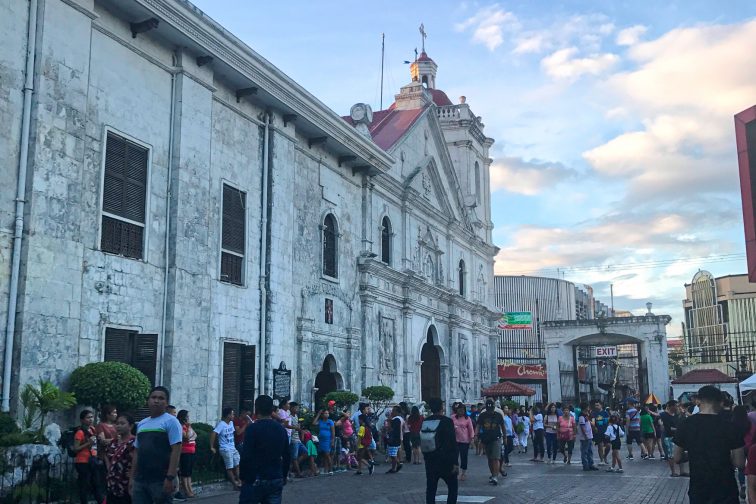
(281, 383)
(516, 320)
(607, 352)
(522, 371)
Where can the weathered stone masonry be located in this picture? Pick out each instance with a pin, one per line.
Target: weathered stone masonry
(92, 76)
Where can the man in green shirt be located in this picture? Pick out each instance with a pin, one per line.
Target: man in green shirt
(648, 432)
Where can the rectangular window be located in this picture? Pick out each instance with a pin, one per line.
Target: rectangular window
(132, 348)
(124, 197)
(238, 375)
(233, 229)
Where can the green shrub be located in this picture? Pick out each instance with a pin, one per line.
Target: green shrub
(379, 396)
(204, 458)
(513, 405)
(8, 424)
(343, 398)
(38, 402)
(100, 383)
(18, 438)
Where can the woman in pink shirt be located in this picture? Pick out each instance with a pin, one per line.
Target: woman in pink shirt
(464, 432)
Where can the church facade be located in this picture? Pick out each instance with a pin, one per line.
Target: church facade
(191, 210)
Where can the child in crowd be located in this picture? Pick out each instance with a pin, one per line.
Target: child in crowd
(311, 454)
(615, 433)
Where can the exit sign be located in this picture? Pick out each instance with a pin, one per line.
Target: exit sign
(605, 351)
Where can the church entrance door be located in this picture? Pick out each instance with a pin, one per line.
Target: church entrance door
(430, 372)
(326, 381)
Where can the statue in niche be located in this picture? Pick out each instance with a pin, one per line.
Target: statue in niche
(428, 267)
(386, 345)
(464, 369)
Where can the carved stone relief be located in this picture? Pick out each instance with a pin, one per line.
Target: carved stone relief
(386, 345)
(485, 373)
(464, 362)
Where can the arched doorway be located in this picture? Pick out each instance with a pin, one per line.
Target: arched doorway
(430, 371)
(327, 380)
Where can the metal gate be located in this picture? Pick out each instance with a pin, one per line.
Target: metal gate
(611, 378)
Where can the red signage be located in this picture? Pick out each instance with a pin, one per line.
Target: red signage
(522, 371)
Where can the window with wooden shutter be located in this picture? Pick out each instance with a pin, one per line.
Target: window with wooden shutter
(238, 376)
(233, 229)
(330, 246)
(132, 348)
(124, 197)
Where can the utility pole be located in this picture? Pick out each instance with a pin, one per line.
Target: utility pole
(383, 52)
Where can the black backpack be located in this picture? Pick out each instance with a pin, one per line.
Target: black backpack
(67, 440)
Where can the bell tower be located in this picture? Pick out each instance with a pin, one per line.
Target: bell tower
(423, 70)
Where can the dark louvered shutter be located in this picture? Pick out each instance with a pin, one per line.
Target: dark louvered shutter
(231, 375)
(145, 355)
(247, 393)
(124, 196)
(118, 343)
(233, 229)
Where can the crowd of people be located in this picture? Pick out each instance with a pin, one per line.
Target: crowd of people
(264, 447)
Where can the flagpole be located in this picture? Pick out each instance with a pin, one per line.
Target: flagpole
(383, 51)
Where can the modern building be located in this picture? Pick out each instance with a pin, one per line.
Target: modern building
(720, 323)
(745, 139)
(521, 350)
(172, 200)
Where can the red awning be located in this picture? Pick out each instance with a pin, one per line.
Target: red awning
(507, 389)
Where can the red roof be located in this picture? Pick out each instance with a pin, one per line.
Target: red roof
(389, 125)
(440, 98)
(424, 57)
(507, 389)
(704, 377)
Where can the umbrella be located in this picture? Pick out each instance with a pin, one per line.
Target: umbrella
(507, 389)
(628, 399)
(652, 399)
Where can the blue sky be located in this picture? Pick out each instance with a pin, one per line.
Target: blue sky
(615, 153)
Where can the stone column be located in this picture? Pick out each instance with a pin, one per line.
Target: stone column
(408, 355)
(369, 340)
(554, 384)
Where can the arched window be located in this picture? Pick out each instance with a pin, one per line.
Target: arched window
(477, 182)
(386, 240)
(461, 274)
(330, 246)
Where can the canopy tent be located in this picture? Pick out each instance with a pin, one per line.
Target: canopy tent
(747, 385)
(507, 389)
(652, 399)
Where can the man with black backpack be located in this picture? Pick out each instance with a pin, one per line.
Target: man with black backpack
(439, 446)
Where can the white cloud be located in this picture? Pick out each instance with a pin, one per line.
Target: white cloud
(527, 177)
(684, 90)
(488, 26)
(630, 36)
(532, 43)
(564, 64)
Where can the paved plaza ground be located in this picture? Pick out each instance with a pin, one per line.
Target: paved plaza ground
(642, 482)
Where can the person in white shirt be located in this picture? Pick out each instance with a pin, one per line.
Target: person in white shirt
(615, 433)
(224, 433)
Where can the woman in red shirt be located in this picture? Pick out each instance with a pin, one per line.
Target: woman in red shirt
(106, 429)
(188, 450)
(415, 423)
(86, 463)
(119, 455)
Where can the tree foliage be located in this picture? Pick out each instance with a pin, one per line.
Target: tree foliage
(343, 398)
(40, 401)
(100, 383)
(379, 396)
